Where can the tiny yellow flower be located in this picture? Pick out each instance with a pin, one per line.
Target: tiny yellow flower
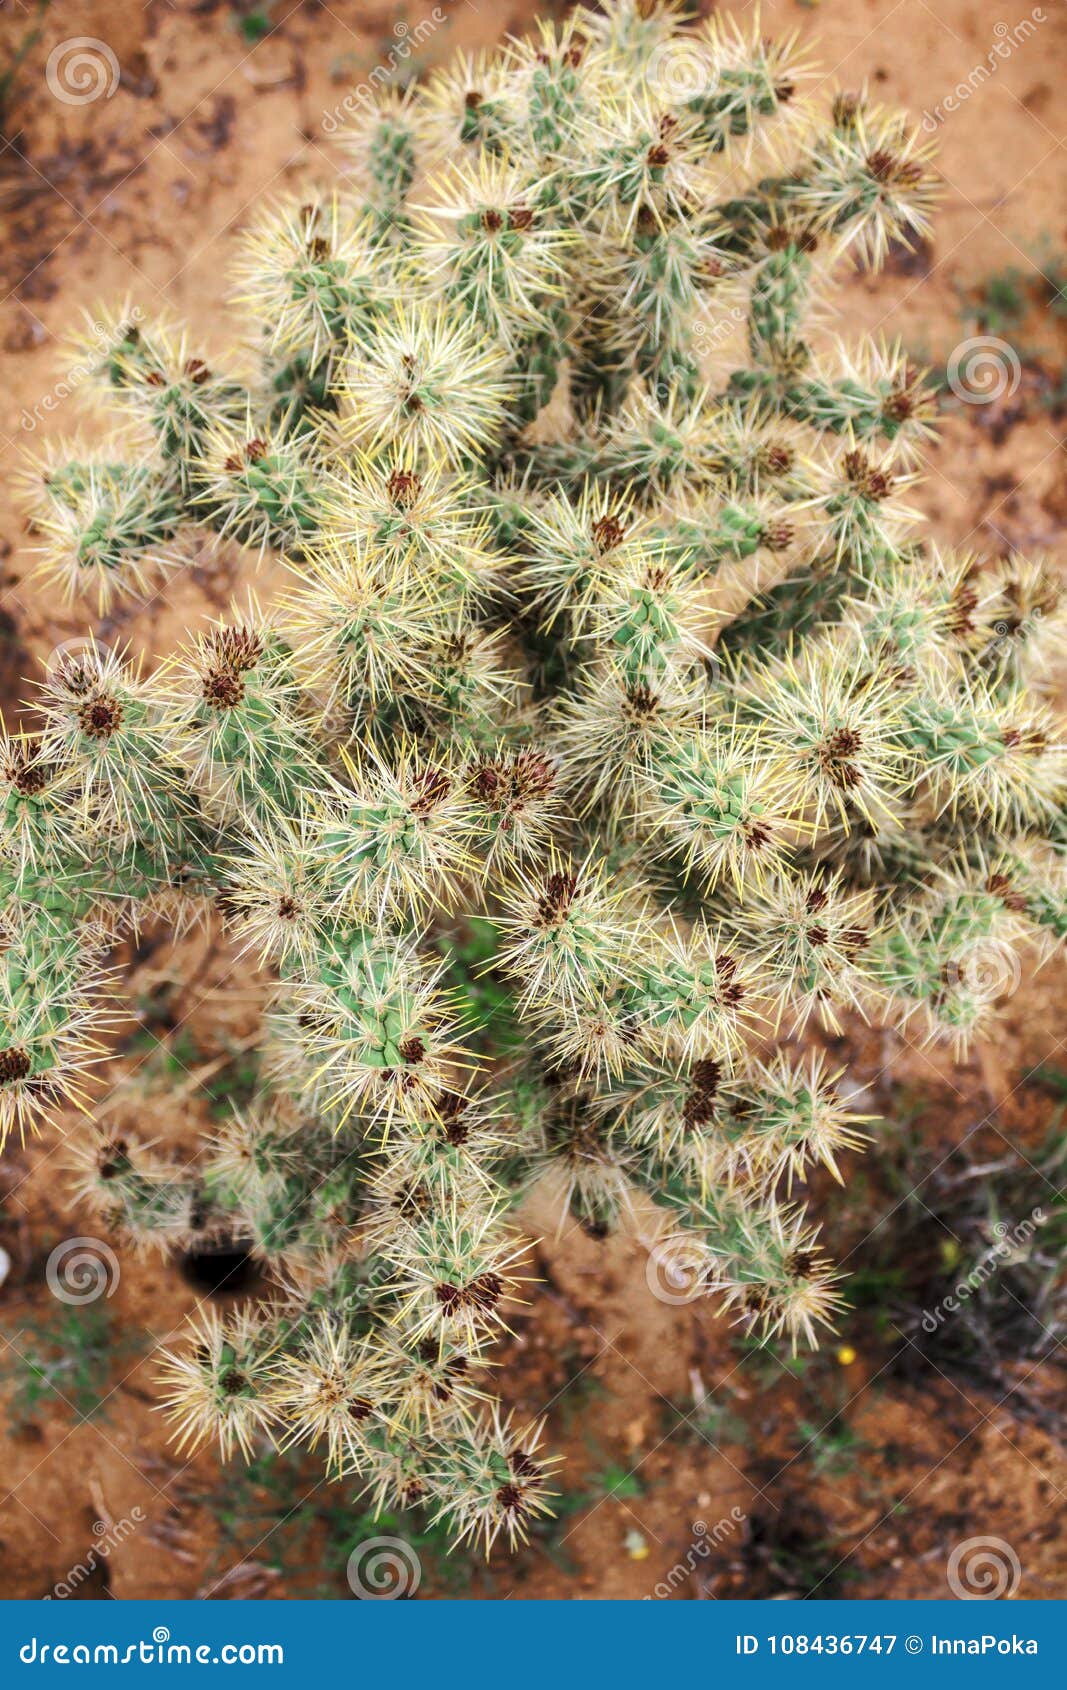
(846, 1355)
(637, 1546)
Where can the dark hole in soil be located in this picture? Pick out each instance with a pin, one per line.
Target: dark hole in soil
(90, 1581)
(220, 1272)
(789, 1553)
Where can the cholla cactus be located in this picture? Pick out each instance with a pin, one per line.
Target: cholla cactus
(609, 621)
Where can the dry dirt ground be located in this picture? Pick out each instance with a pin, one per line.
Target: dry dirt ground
(692, 1469)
